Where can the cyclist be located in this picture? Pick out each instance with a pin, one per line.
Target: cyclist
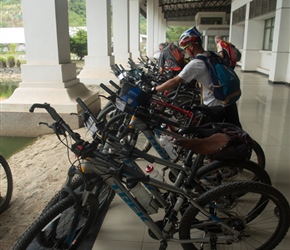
(171, 55)
(223, 49)
(191, 42)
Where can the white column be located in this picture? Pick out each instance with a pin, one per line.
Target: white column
(156, 34)
(99, 59)
(162, 27)
(281, 40)
(251, 55)
(121, 31)
(48, 76)
(150, 28)
(134, 22)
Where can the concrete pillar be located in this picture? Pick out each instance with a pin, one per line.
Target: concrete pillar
(134, 22)
(150, 28)
(156, 32)
(121, 31)
(162, 26)
(48, 76)
(99, 59)
(254, 32)
(280, 50)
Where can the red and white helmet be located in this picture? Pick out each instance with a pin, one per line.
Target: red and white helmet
(189, 36)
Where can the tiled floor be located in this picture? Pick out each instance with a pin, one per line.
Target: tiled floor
(265, 115)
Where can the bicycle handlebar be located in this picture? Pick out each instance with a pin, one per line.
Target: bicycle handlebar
(114, 85)
(55, 116)
(104, 87)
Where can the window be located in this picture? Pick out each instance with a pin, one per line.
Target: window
(211, 42)
(268, 33)
(211, 20)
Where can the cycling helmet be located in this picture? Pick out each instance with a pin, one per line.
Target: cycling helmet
(189, 36)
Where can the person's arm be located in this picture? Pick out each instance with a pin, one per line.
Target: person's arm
(170, 84)
(221, 53)
(220, 49)
(161, 63)
(161, 70)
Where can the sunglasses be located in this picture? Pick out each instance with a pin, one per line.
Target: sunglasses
(186, 46)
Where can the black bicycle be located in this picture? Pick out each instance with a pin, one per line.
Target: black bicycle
(235, 214)
(6, 186)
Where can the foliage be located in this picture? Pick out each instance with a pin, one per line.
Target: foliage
(11, 61)
(143, 25)
(12, 48)
(10, 57)
(2, 62)
(78, 44)
(11, 13)
(173, 33)
(77, 13)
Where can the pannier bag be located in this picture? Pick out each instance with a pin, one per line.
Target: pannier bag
(134, 96)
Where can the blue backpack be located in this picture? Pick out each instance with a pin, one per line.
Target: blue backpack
(226, 83)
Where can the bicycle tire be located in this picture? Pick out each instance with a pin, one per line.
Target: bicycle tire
(181, 97)
(115, 122)
(103, 192)
(107, 112)
(221, 172)
(46, 231)
(6, 187)
(273, 228)
(259, 155)
(142, 144)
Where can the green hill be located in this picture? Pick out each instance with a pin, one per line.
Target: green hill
(11, 13)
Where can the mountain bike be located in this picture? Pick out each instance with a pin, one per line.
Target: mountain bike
(6, 184)
(230, 214)
(150, 122)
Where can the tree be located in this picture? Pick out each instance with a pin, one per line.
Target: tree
(78, 44)
(173, 33)
(12, 48)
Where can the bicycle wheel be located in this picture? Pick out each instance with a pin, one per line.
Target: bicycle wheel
(257, 229)
(180, 97)
(107, 112)
(63, 226)
(257, 154)
(6, 184)
(142, 143)
(102, 191)
(221, 172)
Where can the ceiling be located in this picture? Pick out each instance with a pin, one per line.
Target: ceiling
(185, 10)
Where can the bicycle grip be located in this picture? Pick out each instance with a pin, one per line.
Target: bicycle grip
(104, 87)
(55, 116)
(114, 84)
(82, 104)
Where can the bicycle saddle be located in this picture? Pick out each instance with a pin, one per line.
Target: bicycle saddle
(210, 145)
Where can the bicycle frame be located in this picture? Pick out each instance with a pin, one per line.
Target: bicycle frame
(119, 169)
(114, 181)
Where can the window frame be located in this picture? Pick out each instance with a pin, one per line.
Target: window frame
(268, 34)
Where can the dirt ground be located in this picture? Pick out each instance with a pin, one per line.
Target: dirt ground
(38, 172)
